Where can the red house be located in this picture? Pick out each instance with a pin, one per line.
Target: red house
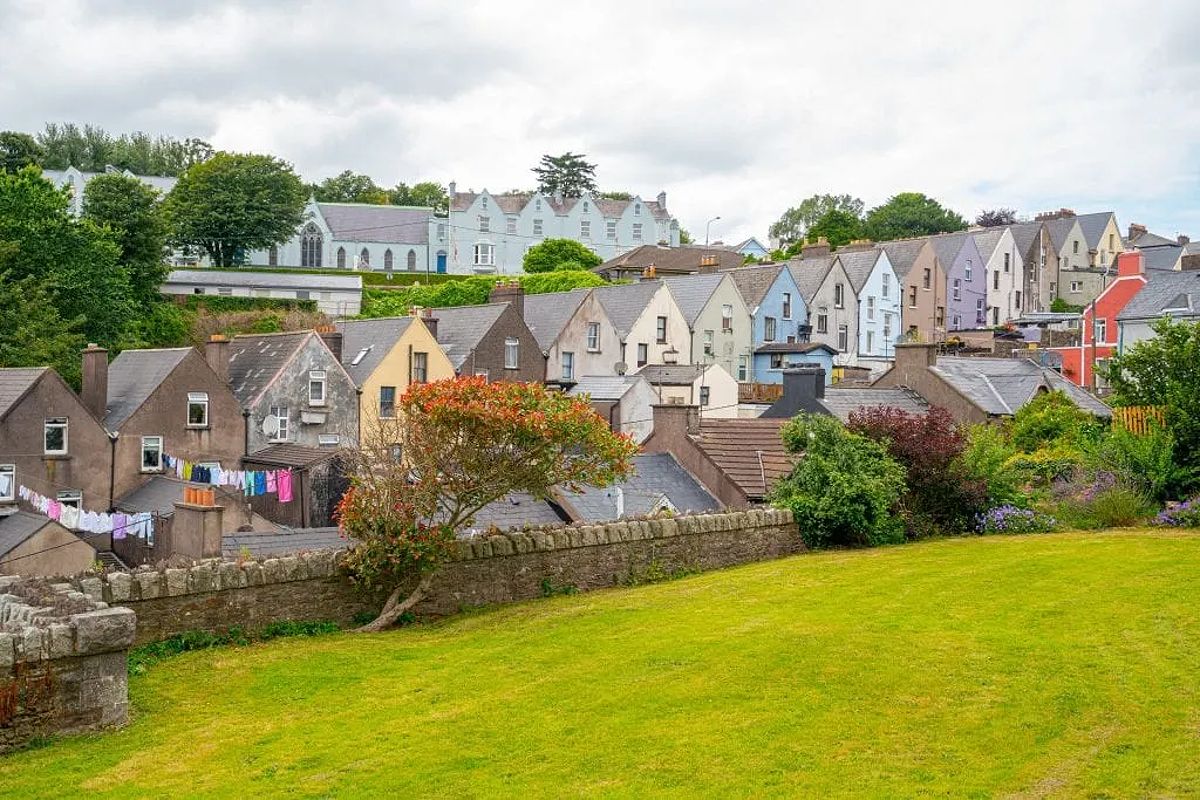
(1099, 340)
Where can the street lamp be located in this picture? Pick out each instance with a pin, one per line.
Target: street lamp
(707, 225)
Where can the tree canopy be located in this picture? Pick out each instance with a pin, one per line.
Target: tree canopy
(131, 210)
(838, 227)
(569, 175)
(424, 194)
(350, 187)
(19, 150)
(556, 254)
(911, 214)
(793, 226)
(32, 332)
(234, 203)
(996, 217)
(91, 149)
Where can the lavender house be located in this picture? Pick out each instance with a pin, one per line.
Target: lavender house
(966, 280)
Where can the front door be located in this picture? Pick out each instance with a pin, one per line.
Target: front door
(441, 261)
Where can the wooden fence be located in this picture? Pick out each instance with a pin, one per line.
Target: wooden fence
(1137, 419)
(759, 392)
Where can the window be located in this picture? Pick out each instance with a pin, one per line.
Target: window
(743, 368)
(939, 317)
(660, 330)
(870, 341)
(957, 292)
(927, 278)
(152, 448)
(637, 208)
(441, 230)
(364, 259)
(280, 415)
(643, 354)
(387, 259)
(328, 440)
(1007, 261)
(568, 366)
(197, 410)
(225, 291)
(967, 273)
(957, 321)
(585, 228)
(341, 258)
(610, 230)
(637, 231)
(979, 310)
(912, 296)
(1102, 330)
(387, 401)
(887, 283)
(787, 305)
(887, 330)
(316, 387)
(70, 497)
(485, 255)
(485, 223)
(839, 296)
(484, 201)
(537, 227)
(708, 343)
(312, 243)
(1075, 247)
(593, 337)
(726, 317)
(704, 395)
(996, 279)
(822, 323)
(412, 260)
(1076, 287)
(8, 482)
(273, 256)
(1017, 300)
(776, 361)
(843, 337)
(512, 353)
(995, 315)
(769, 329)
(55, 437)
(510, 224)
(420, 367)
(870, 307)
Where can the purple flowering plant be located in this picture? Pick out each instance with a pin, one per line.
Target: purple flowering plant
(1011, 519)
(1181, 515)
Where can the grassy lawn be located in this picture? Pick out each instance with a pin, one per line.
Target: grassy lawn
(1058, 665)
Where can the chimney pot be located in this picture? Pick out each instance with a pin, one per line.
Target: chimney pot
(95, 380)
(216, 353)
(509, 292)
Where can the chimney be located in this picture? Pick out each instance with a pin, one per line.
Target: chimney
(1131, 264)
(196, 525)
(803, 389)
(913, 359)
(430, 321)
(332, 338)
(675, 420)
(856, 245)
(1062, 213)
(649, 273)
(708, 263)
(1183, 240)
(95, 380)
(1136, 231)
(216, 353)
(451, 191)
(509, 292)
(815, 250)
(662, 201)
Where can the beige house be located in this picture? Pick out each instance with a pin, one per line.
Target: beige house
(1079, 280)
(722, 331)
(575, 334)
(713, 390)
(649, 323)
(922, 286)
(31, 544)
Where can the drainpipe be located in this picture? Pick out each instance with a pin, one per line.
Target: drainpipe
(112, 468)
(358, 392)
(245, 432)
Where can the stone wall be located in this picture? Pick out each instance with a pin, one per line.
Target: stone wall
(214, 595)
(60, 672)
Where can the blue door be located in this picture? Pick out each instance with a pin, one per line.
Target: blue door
(441, 261)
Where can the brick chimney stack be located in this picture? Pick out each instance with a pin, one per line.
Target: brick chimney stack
(675, 420)
(95, 380)
(430, 321)
(708, 263)
(216, 353)
(509, 292)
(816, 250)
(332, 338)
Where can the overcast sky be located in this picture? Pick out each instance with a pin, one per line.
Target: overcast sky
(737, 109)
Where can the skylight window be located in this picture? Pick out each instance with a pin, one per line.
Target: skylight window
(360, 356)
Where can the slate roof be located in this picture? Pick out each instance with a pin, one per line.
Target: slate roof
(1149, 239)
(671, 374)
(376, 337)
(692, 292)
(1163, 257)
(605, 387)
(17, 527)
(685, 258)
(793, 347)
(842, 402)
(747, 451)
(1093, 226)
(160, 494)
(460, 329)
(515, 202)
(14, 383)
(809, 274)
(547, 314)
(1025, 234)
(290, 455)
(948, 246)
(858, 265)
(903, 254)
(754, 282)
(251, 279)
(287, 543)
(625, 303)
(516, 511)
(1059, 229)
(365, 222)
(1000, 386)
(1163, 290)
(133, 376)
(655, 476)
(255, 360)
(987, 240)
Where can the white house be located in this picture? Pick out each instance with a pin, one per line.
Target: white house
(336, 295)
(710, 387)
(75, 180)
(650, 325)
(877, 288)
(624, 401)
(490, 233)
(1005, 269)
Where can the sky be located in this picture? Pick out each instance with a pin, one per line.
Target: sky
(737, 110)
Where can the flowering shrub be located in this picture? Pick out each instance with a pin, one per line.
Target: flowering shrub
(1010, 519)
(1183, 515)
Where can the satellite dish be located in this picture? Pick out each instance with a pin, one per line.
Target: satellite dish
(270, 425)
(620, 368)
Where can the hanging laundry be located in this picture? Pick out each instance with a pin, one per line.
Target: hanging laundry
(283, 482)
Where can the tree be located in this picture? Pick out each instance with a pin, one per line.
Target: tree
(465, 443)
(838, 227)
(569, 175)
(32, 332)
(19, 150)
(684, 236)
(130, 209)
(234, 203)
(426, 194)
(911, 214)
(554, 254)
(92, 149)
(996, 217)
(350, 187)
(793, 225)
(616, 195)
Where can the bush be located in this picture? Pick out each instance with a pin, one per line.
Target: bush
(845, 488)
(988, 459)
(1143, 461)
(557, 254)
(1011, 519)
(1184, 515)
(1052, 419)
(466, 291)
(1101, 501)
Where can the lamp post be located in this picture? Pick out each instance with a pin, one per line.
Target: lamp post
(707, 225)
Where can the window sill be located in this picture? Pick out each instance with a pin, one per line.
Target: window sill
(197, 427)
(56, 456)
(157, 471)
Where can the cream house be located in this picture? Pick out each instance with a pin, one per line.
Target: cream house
(710, 387)
(722, 331)
(575, 334)
(650, 324)
(1004, 266)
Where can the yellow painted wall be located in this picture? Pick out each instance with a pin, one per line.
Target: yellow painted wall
(395, 368)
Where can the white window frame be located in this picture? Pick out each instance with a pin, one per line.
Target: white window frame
(883, 292)
(823, 322)
(510, 225)
(281, 415)
(709, 342)
(395, 396)
(8, 477)
(787, 305)
(967, 272)
(839, 295)
(1076, 287)
(152, 444)
(56, 423)
(870, 341)
(705, 395)
(870, 306)
(585, 229)
(726, 316)
(643, 354)
(843, 338)
(70, 497)
(318, 377)
(770, 329)
(610, 230)
(197, 400)
(537, 227)
(743, 368)
(485, 254)
(328, 440)
(568, 365)
(1100, 330)
(483, 373)
(637, 231)
(512, 353)
(485, 223)
(660, 330)
(420, 366)
(957, 289)
(593, 337)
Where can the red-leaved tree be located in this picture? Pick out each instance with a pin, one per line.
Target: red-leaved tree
(459, 445)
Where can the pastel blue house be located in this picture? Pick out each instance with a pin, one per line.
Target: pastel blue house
(780, 324)
(878, 288)
(753, 247)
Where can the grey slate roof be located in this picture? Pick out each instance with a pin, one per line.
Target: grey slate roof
(1148, 239)
(1093, 226)
(625, 303)
(685, 258)
(793, 347)
(17, 527)
(987, 240)
(1163, 257)
(255, 360)
(133, 376)
(1025, 234)
(364, 222)
(14, 383)
(1059, 229)
(460, 329)
(1163, 290)
(376, 337)
(157, 494)
(605, 387)
(842, 402)
(809, 274)
(858, 265)
(516, 511)
(754, 282)
(251, 279)
(655, 476)
(903, 254)
(692, 292)
(288, 543)
(547, 314)
(1000, 386)
(671, 374)
(948, 246)
(290, 455)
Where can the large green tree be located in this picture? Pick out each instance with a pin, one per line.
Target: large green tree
(350, 187)
(32, 332)
(91, 148)
(911, 214)
(569, 175)
(837, 227)
(426, 194)
(19, 150)
(131, 210)
(234, 203)
(793, 226)
(556, 254)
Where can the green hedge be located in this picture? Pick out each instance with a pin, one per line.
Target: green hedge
(378, 278)
(468, 291)
(219, 303)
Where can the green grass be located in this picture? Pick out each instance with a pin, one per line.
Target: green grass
(1054, 665)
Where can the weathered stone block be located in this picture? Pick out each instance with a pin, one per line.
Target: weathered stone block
(202, 578)
(482, 548)
(254, 573)
(176, 581)
(149, 586)
(61, 640)
(272, 571)
(522, 543)
(501, 546)
(8, 653)
(29, 644)
(290, 565)
(104, 631)
(92, 587)
(119, 587)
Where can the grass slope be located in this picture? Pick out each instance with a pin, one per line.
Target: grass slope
(1061, 665)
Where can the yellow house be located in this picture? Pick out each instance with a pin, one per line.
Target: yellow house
(383, 356)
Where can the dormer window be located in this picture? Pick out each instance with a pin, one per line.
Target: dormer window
(360, 356)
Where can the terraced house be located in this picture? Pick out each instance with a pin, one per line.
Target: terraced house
(1005, 269)
(782, 328)
(832, 303)
(922, 287)
(877, 289)
(717, 318)
(966, 281)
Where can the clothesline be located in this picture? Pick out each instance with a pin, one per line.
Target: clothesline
(252, 482)
(118, 524)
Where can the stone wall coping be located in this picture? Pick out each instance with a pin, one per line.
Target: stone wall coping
(36, 633)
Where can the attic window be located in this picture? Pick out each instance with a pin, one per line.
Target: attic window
(197, 410)
(316, 387)
(360, 355)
